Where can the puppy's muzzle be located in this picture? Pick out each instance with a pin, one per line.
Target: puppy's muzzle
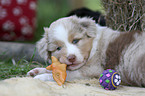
(71, 58)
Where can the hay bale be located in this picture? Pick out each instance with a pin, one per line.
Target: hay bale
(125, 15)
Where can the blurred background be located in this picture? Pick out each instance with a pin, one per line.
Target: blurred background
(16, 17)
(51, 10)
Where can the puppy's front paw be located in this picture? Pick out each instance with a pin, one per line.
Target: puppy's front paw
(37, 71)
(33, 72)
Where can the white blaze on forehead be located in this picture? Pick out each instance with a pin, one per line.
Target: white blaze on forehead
(61, 33)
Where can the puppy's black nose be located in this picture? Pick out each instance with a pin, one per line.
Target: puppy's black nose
(71, 58)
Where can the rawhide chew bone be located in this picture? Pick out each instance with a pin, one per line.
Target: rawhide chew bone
(58, 71)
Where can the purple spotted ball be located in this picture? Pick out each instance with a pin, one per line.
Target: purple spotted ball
(109, 79)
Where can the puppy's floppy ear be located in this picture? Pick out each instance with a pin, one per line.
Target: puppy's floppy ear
(89, 25)
(42, 45)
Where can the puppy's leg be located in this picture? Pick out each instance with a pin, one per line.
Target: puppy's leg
(37, 71)
(71, 75)
(45, 77)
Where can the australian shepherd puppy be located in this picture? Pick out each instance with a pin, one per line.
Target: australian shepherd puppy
(88, 49)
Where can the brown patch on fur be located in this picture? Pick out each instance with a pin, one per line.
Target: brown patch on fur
(86, 47)
(71, 37)
(32, 74)
(36, 71)
(59, 43)
(75, 33)
(85, 44)
(53, 46)
(115, 48)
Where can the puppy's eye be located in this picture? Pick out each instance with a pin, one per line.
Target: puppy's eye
(88, 36)
(58, 48)
(75, 41)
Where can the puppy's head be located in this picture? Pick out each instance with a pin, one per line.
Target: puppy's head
(70, 40)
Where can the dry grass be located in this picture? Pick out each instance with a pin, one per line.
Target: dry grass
(125, 15)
